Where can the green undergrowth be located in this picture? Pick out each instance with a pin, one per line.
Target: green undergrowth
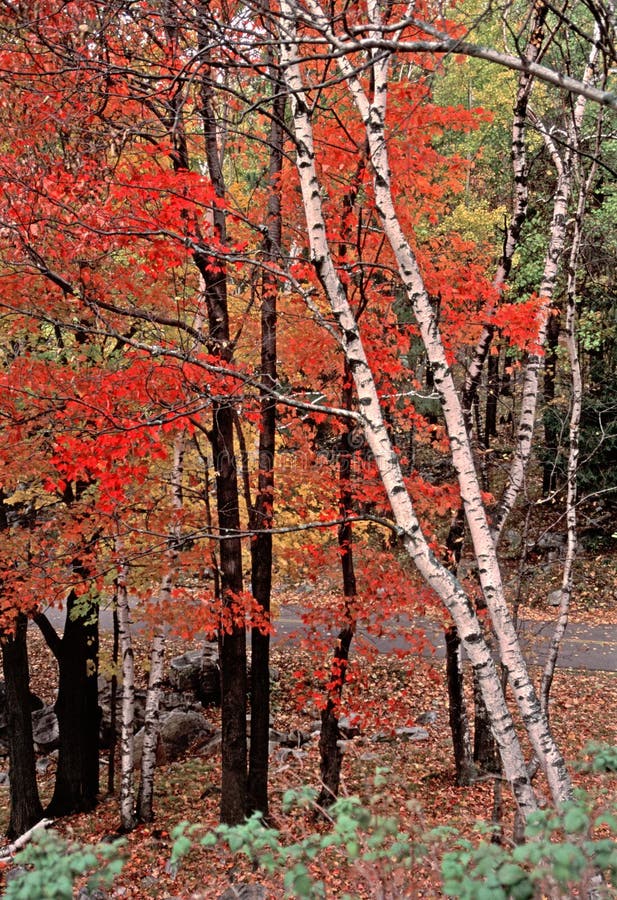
(566, 853)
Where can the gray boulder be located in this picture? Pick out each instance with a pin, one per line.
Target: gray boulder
(179, 730)
(197, 672)
(45, 729)
(244, 892)
(554, 598)
(412, 734)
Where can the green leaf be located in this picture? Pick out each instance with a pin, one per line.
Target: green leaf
(575, 820)
(510, 874)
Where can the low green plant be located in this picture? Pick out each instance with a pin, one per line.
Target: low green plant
(373, 844)
(564, 855)
(54, 864)
(567, 852)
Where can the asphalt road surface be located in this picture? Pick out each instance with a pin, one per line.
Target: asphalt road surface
(590, 647)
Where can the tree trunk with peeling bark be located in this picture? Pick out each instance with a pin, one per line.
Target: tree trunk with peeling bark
(443, 582)
(145, 794)
(576, 404)
(557, 241)
(127, 721)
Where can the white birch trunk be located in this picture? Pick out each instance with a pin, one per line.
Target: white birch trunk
(519, 211)
(576, 405)
(127, 796)
(554, 254)
(373, 114)
(145, 795)
(435, 574)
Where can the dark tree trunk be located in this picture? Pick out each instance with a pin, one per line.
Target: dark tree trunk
(485, 753)
(492, 395)
(457, 706)
(551, 428)
(232, 636)
(330, 754)
(26, 809)
(459, 726)
(77, 775)
(261, 514)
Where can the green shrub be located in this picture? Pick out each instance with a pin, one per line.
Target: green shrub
(53, 866)
(566, 853)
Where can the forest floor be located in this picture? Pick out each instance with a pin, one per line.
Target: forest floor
(388, 692)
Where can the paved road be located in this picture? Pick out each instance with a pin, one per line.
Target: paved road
(590, 647)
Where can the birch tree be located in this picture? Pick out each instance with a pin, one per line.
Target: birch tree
(371, 105)
(145, 812)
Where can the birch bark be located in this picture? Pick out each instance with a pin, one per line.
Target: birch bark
(145, 794)
(127, 750)
(554, 254)
(520, 170)
(373, 115)
(576, 405)
(376, 434)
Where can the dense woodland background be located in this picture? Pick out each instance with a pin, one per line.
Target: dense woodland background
(311, 306)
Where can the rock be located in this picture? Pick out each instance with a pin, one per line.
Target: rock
(35, 703)
(197, 672)
(285, 753)
(514, 538)
(295, 738)
(214, 743)
(4, 779)
(551, 543)
(179, 730)
(170, 700)
(105, 708)
(348, 726)
(45, 729)
(244, 892)
(412, 734)
(427, 718)
(382, 737)
(554, 598)
(184, 670)
(14, 872)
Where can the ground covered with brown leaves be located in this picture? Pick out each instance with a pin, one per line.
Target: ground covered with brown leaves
(419, 788)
